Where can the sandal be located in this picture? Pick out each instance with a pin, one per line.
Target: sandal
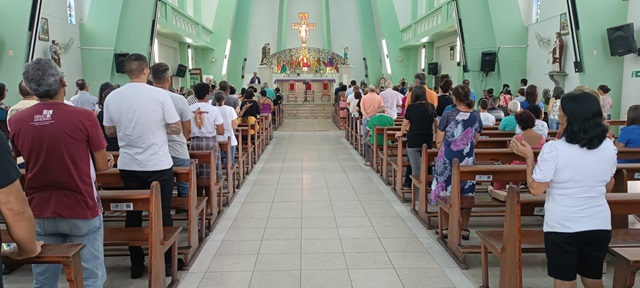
(445, 233)
(465, 237)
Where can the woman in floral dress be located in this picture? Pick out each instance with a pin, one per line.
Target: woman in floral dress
(458, 131)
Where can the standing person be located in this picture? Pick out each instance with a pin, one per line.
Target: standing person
(232, 101)
(161, 77)
(369, 107)
(84, 99)
(381, 119)
(524, 83)
(142, 116)
(350, 97)
(531, 98)
(444, 98)
(28, 100)
(67, 209)
(494, 110)
(457, 135)
(509, 123)
(190, 98)
(206, 125)
(420, 79)
(576, 172)
(103, 87)
(266, 105)
(554, 108)
(605, 100)
(505, 97)
(271, 94)
(351, 88)
(391, 99)
(403, 88)
(467, 83)
(336, 91)
(419, 120)
(279, 97)
(230, 123)
(15, 209)
(521, 93)
(630, 134)
(4, 110)
(487, 119)
(255, 79)
(112, 143)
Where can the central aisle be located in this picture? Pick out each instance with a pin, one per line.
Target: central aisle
(311, 215)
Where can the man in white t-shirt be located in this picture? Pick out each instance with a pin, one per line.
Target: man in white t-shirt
(391, 99)
(142, 116)
(487, 119)
(161, 77)
(206, 124)
(230, 123)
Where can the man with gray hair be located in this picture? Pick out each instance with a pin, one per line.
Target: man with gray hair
(141, 117)
(391, 99)
(420, 79)
(84, 99)
(53, 136)
(161, 77)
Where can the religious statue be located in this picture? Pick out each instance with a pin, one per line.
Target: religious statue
(266, 53)
(303, 27)
(54, 50)
(304, 62)
(346, 53)
(557, 54)
(283, 69)
(382, 82)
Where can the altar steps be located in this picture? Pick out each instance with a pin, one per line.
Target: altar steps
(308, 111)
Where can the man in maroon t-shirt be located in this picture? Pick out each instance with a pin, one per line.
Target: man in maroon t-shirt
(62, 147)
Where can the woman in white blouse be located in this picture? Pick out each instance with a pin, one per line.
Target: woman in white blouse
(575, 171)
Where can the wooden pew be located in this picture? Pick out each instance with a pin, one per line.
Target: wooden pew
(508, 134)
(617, 122)
(242, 167)
(509, 244)
(229, 169)
(250, 143)
(195, 206)
(67, 255)
(159, 239)
(397, 171)
(627, 265)
(389, 151)
(211, 185)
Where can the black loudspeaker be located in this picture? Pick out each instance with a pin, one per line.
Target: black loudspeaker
(488, 61)
(621, 40)
(432, 68)
(181, 71)
(119, 58)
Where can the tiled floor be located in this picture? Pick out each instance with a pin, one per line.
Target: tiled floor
(311, 215)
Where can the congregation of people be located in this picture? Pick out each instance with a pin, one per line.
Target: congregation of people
(575, 165)
(148, 125)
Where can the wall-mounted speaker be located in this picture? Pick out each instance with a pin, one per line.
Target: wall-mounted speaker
(119, 58)
(488, 61)
(622, 40)
(366, 68)
(244, 63)
(181, 71)
(432, 68)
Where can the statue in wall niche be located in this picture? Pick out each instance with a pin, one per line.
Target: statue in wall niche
(557, 54)
(54, 50)
(266, 52)
(382, 82)
(346, 53)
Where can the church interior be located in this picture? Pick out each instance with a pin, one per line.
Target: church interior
(366, 143)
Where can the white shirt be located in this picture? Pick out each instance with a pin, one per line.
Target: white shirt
(177, 143)
(541, 128)
(211, 117)
(352, 108)
(85, 100)
(140, 113)
(228, 115)
(575, 198)
(391, 99)
(487, 119)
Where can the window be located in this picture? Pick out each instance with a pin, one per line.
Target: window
(535, 16)
(71, 11)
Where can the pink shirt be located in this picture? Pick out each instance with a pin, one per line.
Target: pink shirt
(369, 104)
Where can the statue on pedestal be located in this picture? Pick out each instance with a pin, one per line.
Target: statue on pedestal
(382, 82)
(346, 53)
(266, 53)
(557, 54)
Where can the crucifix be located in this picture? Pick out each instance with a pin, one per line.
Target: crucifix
(303, 27)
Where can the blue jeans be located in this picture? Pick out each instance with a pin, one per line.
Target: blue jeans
(183, 187)
(554, 124)
(63, 230)
(223, 155)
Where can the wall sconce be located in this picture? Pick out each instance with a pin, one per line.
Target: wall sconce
(452, 53)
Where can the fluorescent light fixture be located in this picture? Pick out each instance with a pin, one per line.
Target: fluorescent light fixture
(226, 57)
(386, 56)
(155, 51)
(422, 58)
(425, 39)
(190, 56)
(189, 40)
(458, 50)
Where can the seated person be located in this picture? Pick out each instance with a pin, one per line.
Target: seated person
(487, 119)
(379, 120)
(494, 110)
(540, 126)
(630, 134)
(509, 123)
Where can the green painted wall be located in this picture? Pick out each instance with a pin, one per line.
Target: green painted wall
(390, 30)
(282, 25)
(368, 39)
(601, 69)
(14, 38)
(326, 24)
(239, 42)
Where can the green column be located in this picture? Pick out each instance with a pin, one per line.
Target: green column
(239, 44)
(14, 41)
(282, 24)
(197, 14)
(414, 10)
(223, 26)
(369, 41)
(326, 25)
